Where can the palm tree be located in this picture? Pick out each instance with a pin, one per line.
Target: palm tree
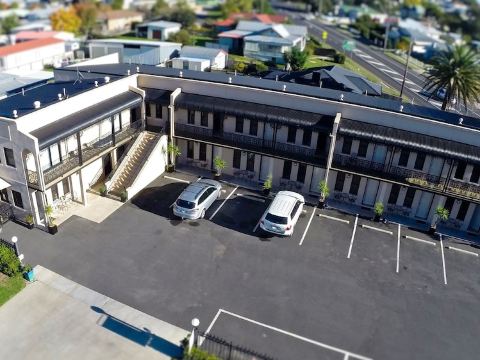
(457, 72)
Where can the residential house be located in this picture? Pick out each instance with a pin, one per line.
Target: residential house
(158, 30)
(232, 20)
(200, 59)
(117, 21)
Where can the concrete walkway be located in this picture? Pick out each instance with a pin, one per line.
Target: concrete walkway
(56, 318)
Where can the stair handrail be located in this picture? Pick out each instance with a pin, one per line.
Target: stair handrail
(96, 177)
(121, 163)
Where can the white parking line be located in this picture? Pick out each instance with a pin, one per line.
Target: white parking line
(443, 262)
(353, 237)
(176, 179)
(228, 197)
(334, 218)
(258, 223)
(347, 354)
(377, 229)
(308, 225)
(462, 251)
(251, 197)
(420, 240)
(398, 247)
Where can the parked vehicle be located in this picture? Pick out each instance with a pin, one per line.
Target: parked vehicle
(283, 213)
(195, 200)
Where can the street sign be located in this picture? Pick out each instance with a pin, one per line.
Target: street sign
(348, 45)
(324, 35)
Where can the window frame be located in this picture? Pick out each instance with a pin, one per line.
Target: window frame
(237, 157)
(158, 110)
(404, 157)
(250, 162)
(191, 117)
(395, 190)
(14, 192)
(420, 161)
(339, 178)
(292, 134)
(304, 172)
(287, 164)
(202, 154)
(363, 146)
(408, 200)
(239, 124)
(253, 127)
(10, 151)
(347, 145)
(307, 137)
(355, 185)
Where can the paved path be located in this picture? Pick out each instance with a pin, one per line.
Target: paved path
(56, 318)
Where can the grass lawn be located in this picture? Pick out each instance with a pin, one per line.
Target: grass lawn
(9, 286)
(413, 64)
(200, 40)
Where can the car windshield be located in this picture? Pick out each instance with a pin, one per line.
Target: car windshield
(185, 204)
(276, 219)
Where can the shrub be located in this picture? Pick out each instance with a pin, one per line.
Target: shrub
(29, 219)
(378, 208)
(9, 263)
(239, 66)
(339, 58)
(197, 354)
(267, 185)
(261, 67)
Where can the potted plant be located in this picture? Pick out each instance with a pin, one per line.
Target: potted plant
(124, 195)
(52, 228)
(103, 190)
(29, 221)
(267, 185)
(378, 209)
(324, 192)
(219, 164)
(28, 273)
(174, 151)
(441, 214)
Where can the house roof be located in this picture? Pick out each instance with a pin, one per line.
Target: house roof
(28, 45)
(350, 80)
(31, 35)
(118, 14)
(252, 26)
(135, 42)
(234, 34)
(263, 18)
(268, 40)
(161, 24)
(199, 52)
(226, 22)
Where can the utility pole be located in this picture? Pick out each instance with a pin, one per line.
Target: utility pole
(320, 5)
(387, 33)
(406, 66)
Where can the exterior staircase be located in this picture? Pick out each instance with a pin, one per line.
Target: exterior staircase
(133, 163)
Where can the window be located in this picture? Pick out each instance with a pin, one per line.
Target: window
(10, 159)
(460, 170)
(403, 160)
(189, 149)
(307, 137)
(203, 152)
(237, 158)
(339, 181)
(462, 212)
(158, 111)
(409, 198)
(362, 148)
(287, 169)
(295, 209)
(17, 199)
(148, 111)
(292, 134)
(449, 204)
(204, 118)
(191, 117)
(250, 162)
(347, 145)
(420, 161)
(4, 195)
(205, 195)
(239, 124)
(355, 185)
(253, 127)
(66, 186)
(302, 170)
(54, 189)
(475, 174)
(392, 199)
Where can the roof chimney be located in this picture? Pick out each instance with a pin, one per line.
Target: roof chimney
(284, 87)
(96, 82)
(341, 97)
(401, 108)
(460, 121)
(60, 97)
(229, 79)
(107, 79)
(128, 72)
(15, 114)
(180, 74)
(138, 69)
(36, 104)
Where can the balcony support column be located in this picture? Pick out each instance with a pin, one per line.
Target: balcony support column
(79, 146)
(113, 129)
(333, 140)
(449, 176)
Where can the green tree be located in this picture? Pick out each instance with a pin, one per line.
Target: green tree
(457, 71)
(365, 25)
(235, 6)
(182, 36)
(117, 4)
(183, 14)
(160, 8)
(65, 20)
(8, 23)
(296, 58)
(9, 263)
(87, 12)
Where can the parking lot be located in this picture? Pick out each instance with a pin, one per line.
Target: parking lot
(340, 287)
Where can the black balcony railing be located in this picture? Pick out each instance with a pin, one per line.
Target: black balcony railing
(247, 143)
(70, 163)
(466, 190)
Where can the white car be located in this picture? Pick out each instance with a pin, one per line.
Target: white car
(283, 213)
(195, 200)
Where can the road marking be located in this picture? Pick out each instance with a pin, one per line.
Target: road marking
(223, 202)
(201, 339)
(398, 247)
(390, 71)
(443, 262)
(462, 251)
(420, 240)
(258, 223)
(346, 353)
(308, 225)
(251, 197)
(334, 218)
(377, 229)
(398, 79)
(176, 179)
(376, 63)
(363, 55)
(353, 237)
(409, 82)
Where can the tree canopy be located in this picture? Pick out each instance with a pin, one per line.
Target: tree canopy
(182, 36)
(117, 4)
(457, 73)
(87, 12)
(235, 6)
(296, 58)
(160, 8)
(183, 14)
(8, 23)
(66, 20)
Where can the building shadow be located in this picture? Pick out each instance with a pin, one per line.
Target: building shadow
(143, 337)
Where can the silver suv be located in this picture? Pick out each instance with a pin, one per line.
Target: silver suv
(195, 200)
(283, 213)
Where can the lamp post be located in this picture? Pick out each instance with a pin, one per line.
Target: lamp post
(15, 244)
(406, 66)
(193, 341)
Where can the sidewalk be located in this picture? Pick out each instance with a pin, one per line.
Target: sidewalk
(56, 318)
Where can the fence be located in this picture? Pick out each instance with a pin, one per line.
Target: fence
(226, 350)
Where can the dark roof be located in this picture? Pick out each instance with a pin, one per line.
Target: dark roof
(254, 111)
(418, 142)
(46, 94)
(249, 81)
(80, 120)
(157, 96)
